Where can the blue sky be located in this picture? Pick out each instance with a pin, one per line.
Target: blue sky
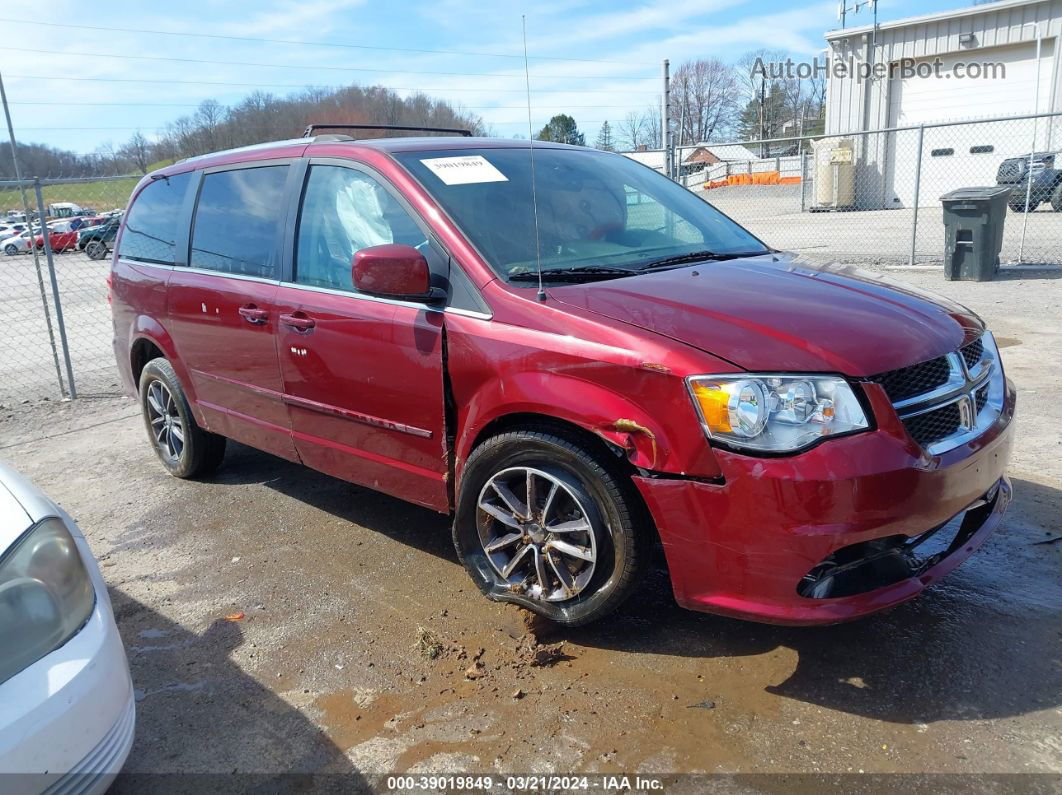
(621, 44)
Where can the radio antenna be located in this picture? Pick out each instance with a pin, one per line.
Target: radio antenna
(531, 137)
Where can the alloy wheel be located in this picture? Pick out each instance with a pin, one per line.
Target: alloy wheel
(536, 534)
(167, 428)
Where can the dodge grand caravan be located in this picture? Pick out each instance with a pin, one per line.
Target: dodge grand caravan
(574, 357)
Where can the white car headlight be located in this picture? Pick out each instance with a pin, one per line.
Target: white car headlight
(775, 413)
(46, 596)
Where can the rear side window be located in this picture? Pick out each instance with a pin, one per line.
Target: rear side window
(151, 223)
(238, 221)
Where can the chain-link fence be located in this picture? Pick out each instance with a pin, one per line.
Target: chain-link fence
(874, 197)
(53, 286)
(864, 198)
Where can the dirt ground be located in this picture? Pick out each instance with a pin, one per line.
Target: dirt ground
(280, 621)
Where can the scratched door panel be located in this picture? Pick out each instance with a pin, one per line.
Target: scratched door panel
(364, 391)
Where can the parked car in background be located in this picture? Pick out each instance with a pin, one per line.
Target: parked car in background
(9, 230)
(1046, 181)
(97, 240)
(67, 210)
(17, 244)
(61, 237)
(808, 443)
(67, 710)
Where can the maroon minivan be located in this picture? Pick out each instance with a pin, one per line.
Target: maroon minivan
(574, 357)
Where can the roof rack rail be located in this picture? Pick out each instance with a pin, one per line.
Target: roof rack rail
(455, 130)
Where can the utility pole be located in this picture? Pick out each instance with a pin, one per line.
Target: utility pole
(665, 121)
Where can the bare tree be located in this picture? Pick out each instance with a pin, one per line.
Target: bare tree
(630, 130)
(138, 151)
(651, 126)
(704, 100)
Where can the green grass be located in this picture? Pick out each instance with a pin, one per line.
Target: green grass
(101, 196)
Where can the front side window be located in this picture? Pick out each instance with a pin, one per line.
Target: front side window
(596, 211)
(238, 221)
(151, 223)
(344, 211)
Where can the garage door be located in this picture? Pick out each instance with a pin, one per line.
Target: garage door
(968, 155)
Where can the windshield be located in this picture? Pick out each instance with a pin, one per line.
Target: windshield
(596, 211)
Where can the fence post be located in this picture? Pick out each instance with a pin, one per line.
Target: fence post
(917, 191)
(803, 180)
(55, 288)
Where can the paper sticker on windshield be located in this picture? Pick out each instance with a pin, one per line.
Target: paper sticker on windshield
(465, 170)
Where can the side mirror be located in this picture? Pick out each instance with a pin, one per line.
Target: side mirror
(393, 270)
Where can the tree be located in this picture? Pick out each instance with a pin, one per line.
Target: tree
(777, 102)
(631, 130)
(704, 100)
(137, 150)
(562, 129)
(604, 138)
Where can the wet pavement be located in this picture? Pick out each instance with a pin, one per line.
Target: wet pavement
(280, 621)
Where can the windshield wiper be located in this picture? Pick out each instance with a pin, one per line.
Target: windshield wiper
(577, 274)
(697, 256)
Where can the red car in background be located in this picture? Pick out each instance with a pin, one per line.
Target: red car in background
(575, 358)
(60, 237)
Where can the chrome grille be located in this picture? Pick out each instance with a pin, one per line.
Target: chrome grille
(949, 400)
(972, 353)
(934, 425)
(917, 379)
(981, 398)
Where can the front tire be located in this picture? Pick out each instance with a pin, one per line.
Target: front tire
(545, 523)
(96, 250)
(1056, 198)
(185, 449)
(11, 250)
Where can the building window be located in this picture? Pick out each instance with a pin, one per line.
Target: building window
(982, 150)
(942, 153)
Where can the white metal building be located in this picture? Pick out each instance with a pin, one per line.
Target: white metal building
(966, 39)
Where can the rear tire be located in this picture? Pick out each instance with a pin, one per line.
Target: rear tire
(577, 557)
(11, 250)
(185, 449)
(1056, 198)
(96, 250)
(1018, 205)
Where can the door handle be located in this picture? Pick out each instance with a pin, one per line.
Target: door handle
(252, 314)
(298, 321)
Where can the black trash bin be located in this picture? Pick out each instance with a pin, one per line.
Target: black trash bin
(973, 232)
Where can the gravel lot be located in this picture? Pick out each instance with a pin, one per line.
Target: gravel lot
(279, 621)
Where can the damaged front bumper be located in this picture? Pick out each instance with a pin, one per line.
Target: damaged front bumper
(882, 562)
(849, 527)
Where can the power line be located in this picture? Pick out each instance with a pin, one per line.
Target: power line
(174, 59)
(196, 105)
(140, 127)
(65, 78)
(111, 29)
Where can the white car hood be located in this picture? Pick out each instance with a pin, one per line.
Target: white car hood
(14, 519)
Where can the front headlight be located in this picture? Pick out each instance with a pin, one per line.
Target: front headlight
(775, 413)
(46, 596)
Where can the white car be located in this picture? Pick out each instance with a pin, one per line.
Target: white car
(66, 700)
(18, 243)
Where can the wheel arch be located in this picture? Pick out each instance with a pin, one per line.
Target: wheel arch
(646, 438)
(147, 336)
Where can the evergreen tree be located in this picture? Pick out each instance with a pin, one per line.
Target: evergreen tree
(562, 129)
(604, 138)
